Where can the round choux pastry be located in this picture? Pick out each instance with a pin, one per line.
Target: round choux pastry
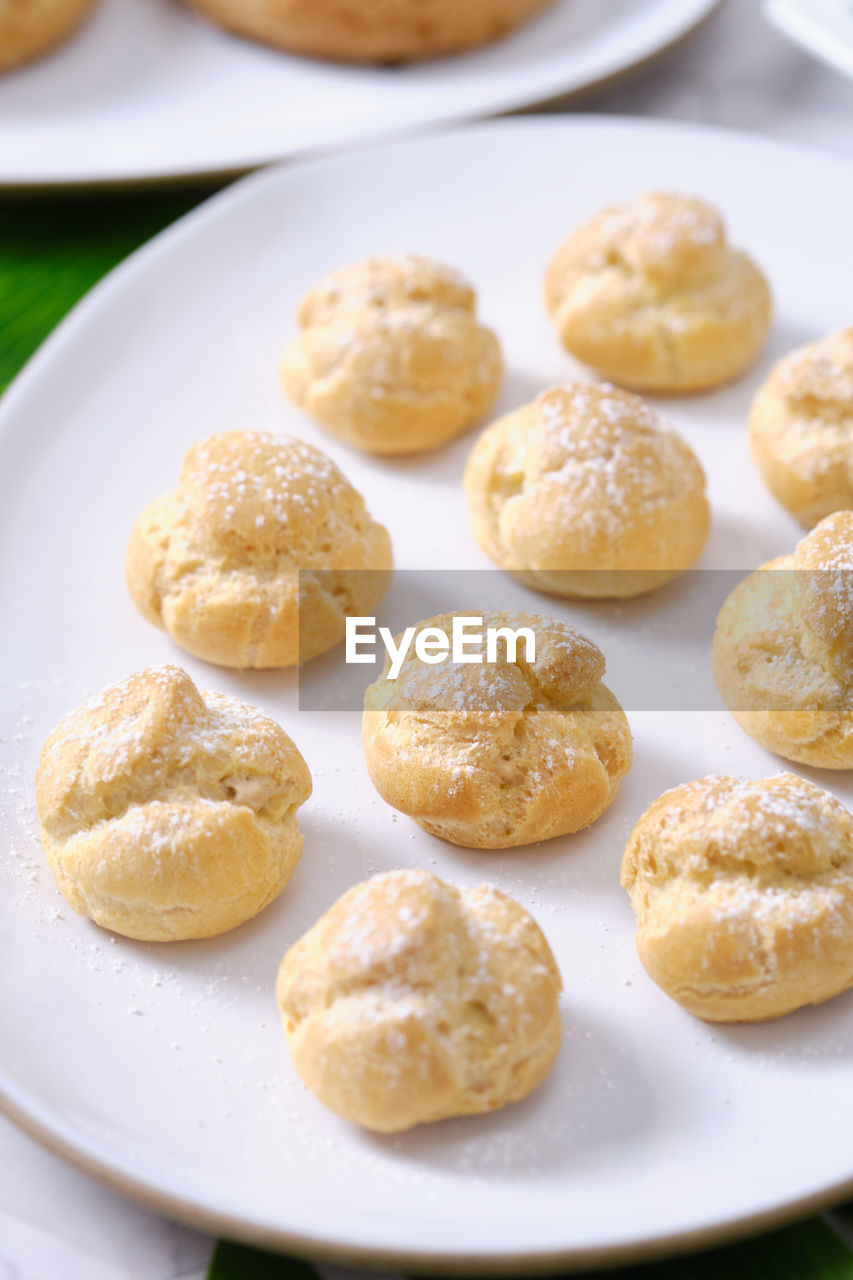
(801, 429)
(495, 754)
(651, 296)
(586, 492)
(30, 28)
(743, 893)
(370, 30)
(167, 813)
(782, 652)
(390, 356)
(259, 554)
(411, 1000)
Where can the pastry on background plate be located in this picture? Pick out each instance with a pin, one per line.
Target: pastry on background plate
(390, 355)
(499, 753)
(587, 492)
(743, 893)
(30, 28)
(371, 30)
(225, 561)
(783, 649)
(167, 813)
(801, 429)
(411, 1000)
(651, 296)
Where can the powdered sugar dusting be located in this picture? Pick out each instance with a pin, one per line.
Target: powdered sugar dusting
(601, 452)
(780, 849)
(661, 222)
(269, 478)
(817, 379)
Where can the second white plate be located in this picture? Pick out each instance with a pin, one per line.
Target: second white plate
(824, 27)
(148, 90)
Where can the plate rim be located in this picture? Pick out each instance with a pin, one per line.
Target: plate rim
(26, 1115)
(225, 1226)
(217, 203)
(617, 69)
(811, 34)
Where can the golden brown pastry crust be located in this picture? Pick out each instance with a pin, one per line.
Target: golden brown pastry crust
(411, 1000)
(496, 755)
(783, 650)
(650, 295)
(744, 896)
(30, 28)
(371, 30)
(166, 813)
(217, 560)
(390, 356)
(586, 492)
(801, 429)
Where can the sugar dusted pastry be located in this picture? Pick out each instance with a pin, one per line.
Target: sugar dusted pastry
(390, 355)
(651, 295)
(217, 560)
(411, 1000)
(801, 429)
(783, 649)
(743, 893)
(371, 30)
(167, 813)
(29, 28)
(501, 753)
(587, 492)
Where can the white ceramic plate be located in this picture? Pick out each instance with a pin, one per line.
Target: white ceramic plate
(163, 1068)
(824, 27)
(148, 90)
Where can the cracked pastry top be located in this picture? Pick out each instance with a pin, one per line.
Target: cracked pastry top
(586, 492)
(801, 429)
(411, 1000)
(259, 554)
(651, 295)
(390, 356)
(371, 30)
(167, 813)
(498, 754)
(783, 649)
(743, 893)
(32, 28)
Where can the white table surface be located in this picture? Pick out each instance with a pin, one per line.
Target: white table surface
(736, 72)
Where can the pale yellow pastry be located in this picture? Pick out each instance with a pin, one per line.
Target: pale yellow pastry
(801, 429)
(371, 30)
(651, 295)
(258, 555)
(390, 355)
(411, 1000)
(587, 492)
(167, 813)
(503, 753)
(29, 28)
(743, 893)
(783, 649)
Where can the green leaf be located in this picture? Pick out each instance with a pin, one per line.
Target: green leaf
(807, 1251)
(236, 1262)
(52, 250)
